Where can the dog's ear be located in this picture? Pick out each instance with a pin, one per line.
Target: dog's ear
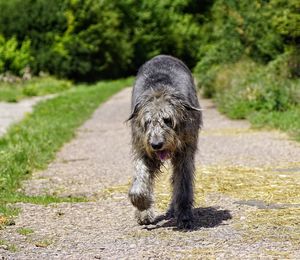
(134, 112)
(186, 104)
(190, 107)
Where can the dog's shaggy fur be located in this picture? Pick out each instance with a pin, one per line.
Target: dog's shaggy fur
(165, 122)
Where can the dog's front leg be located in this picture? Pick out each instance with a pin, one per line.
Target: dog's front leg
(183, 180)
(141, 192)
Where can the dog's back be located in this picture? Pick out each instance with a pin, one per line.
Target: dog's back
(162, 72)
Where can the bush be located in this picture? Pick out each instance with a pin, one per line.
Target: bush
(94, 45)
(14, 57)
(259, 30)
(89, 40)
(37, 20)
(245, 87)
(158, 27)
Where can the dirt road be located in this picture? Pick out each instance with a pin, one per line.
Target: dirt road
(237, 213)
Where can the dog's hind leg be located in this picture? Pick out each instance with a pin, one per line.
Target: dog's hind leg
(141, 191)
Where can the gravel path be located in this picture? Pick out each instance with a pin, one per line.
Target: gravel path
(97, 165)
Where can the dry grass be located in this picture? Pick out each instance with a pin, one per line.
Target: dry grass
(279, 227)
(275, 225)
(262, 184)
(250, 184)
(258, 184)
(3, 220)
(113, 191)
(196, 253)
(228, 132)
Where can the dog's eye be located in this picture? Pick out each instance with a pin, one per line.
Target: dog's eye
(168, 121)
(147, 123)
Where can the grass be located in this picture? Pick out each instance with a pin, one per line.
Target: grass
(14, 197)
(261, 184)
(239, 184)
(109, 192)
(25, 231)
(249, 184)
(266, 95)
(40, 86)
(31, 144)
(7, 246)
(288, 121)
(273, 224)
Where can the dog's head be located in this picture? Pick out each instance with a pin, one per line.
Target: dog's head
(157, 122)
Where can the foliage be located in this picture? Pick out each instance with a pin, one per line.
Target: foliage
(246, 53)
(93, 45)
(250, 61)
(89, 40)
(14, 57)
(158, 27)
(38, 20)
(264, 94)
(287, 121)
(245, 86)
(260, 30)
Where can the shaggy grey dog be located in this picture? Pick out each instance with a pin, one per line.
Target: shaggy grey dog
(165, 122)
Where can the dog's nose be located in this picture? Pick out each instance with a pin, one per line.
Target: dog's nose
(157, 146)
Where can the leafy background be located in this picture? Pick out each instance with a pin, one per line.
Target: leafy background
(245, 54)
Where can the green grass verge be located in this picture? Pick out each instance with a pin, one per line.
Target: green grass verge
(40, 86)
(264, 95)
(288, 121)
(31, 144)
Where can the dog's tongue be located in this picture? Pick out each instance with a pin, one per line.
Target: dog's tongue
(162, 155)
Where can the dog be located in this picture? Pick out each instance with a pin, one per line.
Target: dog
(165, 121)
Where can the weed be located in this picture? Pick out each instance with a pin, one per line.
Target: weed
(25, 231)
(7, 246)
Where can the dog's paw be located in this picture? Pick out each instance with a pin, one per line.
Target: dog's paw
(185, 220)
(145, 217)
(170, 213)
(139, 198)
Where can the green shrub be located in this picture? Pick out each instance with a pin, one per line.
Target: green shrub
(286, 121)
(245, 87)
(158, 27)
(89, 40)
(249, 61)
(39, 20)
(14, 57)
(94, 45)
(260, 30)
(30, 90)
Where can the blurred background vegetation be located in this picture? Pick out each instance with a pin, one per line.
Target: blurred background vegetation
(244, 54)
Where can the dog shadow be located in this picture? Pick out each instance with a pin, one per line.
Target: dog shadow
(208, 217)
